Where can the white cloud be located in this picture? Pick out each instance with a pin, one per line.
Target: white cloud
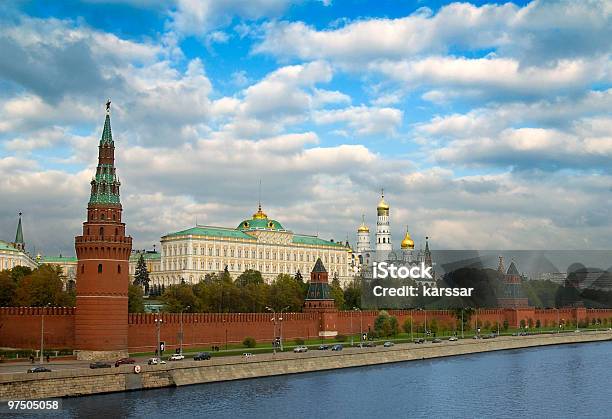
(363, 120)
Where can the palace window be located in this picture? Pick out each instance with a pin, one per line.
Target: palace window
(100, 268)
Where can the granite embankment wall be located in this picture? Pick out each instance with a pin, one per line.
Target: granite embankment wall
(83, 381)
(20, 327)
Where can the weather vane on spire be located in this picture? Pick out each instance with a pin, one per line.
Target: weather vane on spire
(382, 192)
(108, 103)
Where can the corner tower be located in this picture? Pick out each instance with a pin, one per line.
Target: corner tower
(103, 251)
(319, 300)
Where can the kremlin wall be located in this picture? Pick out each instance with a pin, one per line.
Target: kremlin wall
(21, 325)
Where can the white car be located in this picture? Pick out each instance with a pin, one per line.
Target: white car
(177, 357)
(299, 349)
(156, 361)
(452, 338)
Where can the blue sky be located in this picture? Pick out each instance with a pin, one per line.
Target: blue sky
(488, 124)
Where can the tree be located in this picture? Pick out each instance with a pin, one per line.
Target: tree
(407, 326)
(250, 276)
(249, 342)
(286, 291)
(337, 293)
(385, 325)
(7, 289)
(141, 276)
(299, 277)
(352, 296)
(43, 287)
(135, 300)
(178, 297)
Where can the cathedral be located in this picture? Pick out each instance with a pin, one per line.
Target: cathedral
(383, 251)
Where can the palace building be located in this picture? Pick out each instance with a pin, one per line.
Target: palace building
(259, 243)
(14, 254)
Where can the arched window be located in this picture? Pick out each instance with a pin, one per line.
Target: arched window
(100, 268)
(102, 216)
(114, 217)
(118, 269)
(116, 232)
(82, 269)
(101, 231)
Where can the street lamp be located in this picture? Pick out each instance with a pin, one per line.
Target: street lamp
(158, 322)
(42, 332)
(281, 327)
(181, 334)
(360, 323)
(274, 328)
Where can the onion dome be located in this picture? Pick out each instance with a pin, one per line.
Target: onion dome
(260, 221)
(363, 228)
(383, 207)
(407, 243)
(260, 215)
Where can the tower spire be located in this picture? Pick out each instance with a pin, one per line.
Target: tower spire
(105, 185)
(19, 242)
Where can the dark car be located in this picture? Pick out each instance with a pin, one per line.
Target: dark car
(99, 364)
(337, 348)
(436, 340)
(202, 356)
(370, 345)
(419, 340)
(323, 347)
(124, 361)
(39, 369)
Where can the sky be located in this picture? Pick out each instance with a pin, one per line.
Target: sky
(487, 124)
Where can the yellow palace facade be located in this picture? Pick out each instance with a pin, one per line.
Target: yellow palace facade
(259, 243)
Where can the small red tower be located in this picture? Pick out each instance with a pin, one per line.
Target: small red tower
(319, 300)
(103, 251)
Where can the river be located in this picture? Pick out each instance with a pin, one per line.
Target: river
(562, 381)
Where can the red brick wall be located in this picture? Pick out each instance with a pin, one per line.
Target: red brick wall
(20, 326)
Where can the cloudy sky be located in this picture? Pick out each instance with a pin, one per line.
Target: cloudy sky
(488, 125)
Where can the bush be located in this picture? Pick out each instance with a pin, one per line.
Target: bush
(340, 338)
(249, 342)
(299, 341)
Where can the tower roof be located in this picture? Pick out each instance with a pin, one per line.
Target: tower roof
(363, 228)
(407, 243)
(105, 185)
(319, 267)
(19, 234)
(107, 135)
(382, 204)
(512, 270)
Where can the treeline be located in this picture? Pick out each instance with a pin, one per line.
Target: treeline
(24, 287)
(248, 293)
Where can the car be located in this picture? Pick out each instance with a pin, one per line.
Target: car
(202, 356)
(248, 355)
(419, 340)
(124, 361)
(300, 349)
(337, 348)
(453, 338)
(323, 347)
(436, 340)
(38, 369)
(476, 337)
(156, 361)
(388, 344)
(177, 357)
(99, 364)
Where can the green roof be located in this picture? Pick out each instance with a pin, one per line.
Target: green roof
(260, 223)
(314, 241)
(146, 256)
(213, 231)
(58, 259)
(107, 135)
(7, 246)
(19, 235)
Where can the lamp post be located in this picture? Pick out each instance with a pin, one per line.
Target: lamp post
(558, 322)
(462, 335)
(281, 327)
(411, 321)
(158, 322)
(42, 332)
(274, 329)
(360, 323)
(181, 334)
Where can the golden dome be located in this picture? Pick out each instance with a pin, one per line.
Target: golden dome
(382, 205)
(260, 215)
(363, 228)
(407, 243)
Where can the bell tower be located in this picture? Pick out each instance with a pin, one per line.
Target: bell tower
(103, 251)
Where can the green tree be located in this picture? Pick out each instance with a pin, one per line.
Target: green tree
(248, 277)
(42, 287)
(286, 291)
(249, 342)
(141, 276)
(385, 324)
(352, 296)
(135, 300)
(299, 277)
(337, 293)
(407, 326)
(7, 289)
(178, 297)
(506, 325)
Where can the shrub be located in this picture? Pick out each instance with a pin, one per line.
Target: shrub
(340, 338)
(299, 341)
(249, 342)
